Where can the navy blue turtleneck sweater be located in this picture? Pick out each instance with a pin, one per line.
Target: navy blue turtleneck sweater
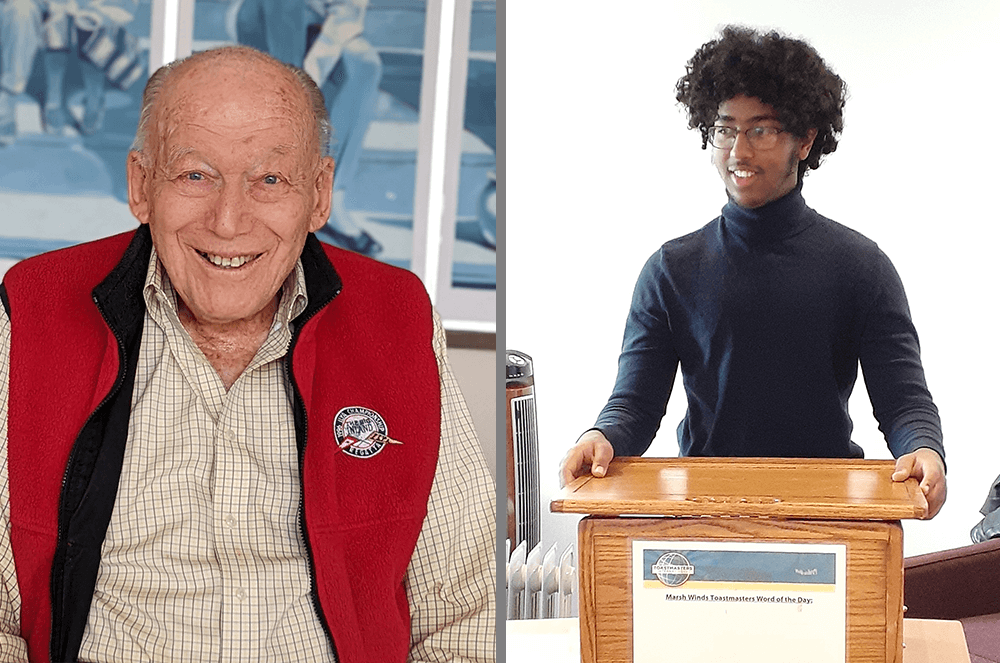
(769, 311)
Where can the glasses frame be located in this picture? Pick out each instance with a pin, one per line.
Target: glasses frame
(754, 141)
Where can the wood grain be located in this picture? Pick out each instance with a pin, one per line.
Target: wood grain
(799, 488)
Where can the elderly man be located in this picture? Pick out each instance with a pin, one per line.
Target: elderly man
(225, 440)
(770, 308)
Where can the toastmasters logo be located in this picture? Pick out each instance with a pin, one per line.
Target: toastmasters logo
(672, 569)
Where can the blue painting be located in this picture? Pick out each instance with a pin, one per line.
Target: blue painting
(71, 79)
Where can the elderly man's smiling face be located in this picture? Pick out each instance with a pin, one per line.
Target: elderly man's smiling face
(230, 182)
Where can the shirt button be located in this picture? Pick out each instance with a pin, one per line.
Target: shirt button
(241, 595)
(230, 521)
(230, 434)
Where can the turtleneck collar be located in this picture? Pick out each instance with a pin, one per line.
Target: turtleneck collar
(774, 221)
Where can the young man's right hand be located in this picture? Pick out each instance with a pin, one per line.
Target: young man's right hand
(591, 454)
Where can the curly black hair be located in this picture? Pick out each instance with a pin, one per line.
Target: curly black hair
(784, 73)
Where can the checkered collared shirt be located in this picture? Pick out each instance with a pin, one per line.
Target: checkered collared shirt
(204, 560)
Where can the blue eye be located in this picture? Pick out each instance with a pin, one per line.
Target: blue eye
(270, 179)
(195, 177)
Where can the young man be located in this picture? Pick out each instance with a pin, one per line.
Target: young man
(224, 440)
(770, 307)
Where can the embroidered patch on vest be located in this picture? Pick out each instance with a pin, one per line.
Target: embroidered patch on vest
(361, 432)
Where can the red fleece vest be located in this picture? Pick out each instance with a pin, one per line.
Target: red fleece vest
(370, 347)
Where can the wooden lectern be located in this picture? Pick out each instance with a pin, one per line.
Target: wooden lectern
(852, 504)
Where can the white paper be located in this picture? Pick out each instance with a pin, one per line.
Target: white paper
(719, 602)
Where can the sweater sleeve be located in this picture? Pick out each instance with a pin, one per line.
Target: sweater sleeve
(893, 374)
(646, 367)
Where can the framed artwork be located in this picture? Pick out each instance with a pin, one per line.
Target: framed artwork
(71, 79)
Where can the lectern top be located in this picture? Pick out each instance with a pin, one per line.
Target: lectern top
(816, 489)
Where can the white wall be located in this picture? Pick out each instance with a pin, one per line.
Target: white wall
(601, 170)
(475, 371)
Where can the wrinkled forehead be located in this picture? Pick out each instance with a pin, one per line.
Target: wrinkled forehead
(232, 97)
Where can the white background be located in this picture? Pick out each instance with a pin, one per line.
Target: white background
(601, 170)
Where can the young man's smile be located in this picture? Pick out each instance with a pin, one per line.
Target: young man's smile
(756, 175)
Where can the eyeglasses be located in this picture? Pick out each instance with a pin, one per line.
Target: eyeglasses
(761, 138)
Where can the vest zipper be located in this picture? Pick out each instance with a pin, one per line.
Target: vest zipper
(61, 532)
(301, 407)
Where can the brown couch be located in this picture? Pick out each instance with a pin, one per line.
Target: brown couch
(962, 584)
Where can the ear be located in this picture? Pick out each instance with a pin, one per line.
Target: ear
(324, 192)
(138, 186)
(807, 144)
